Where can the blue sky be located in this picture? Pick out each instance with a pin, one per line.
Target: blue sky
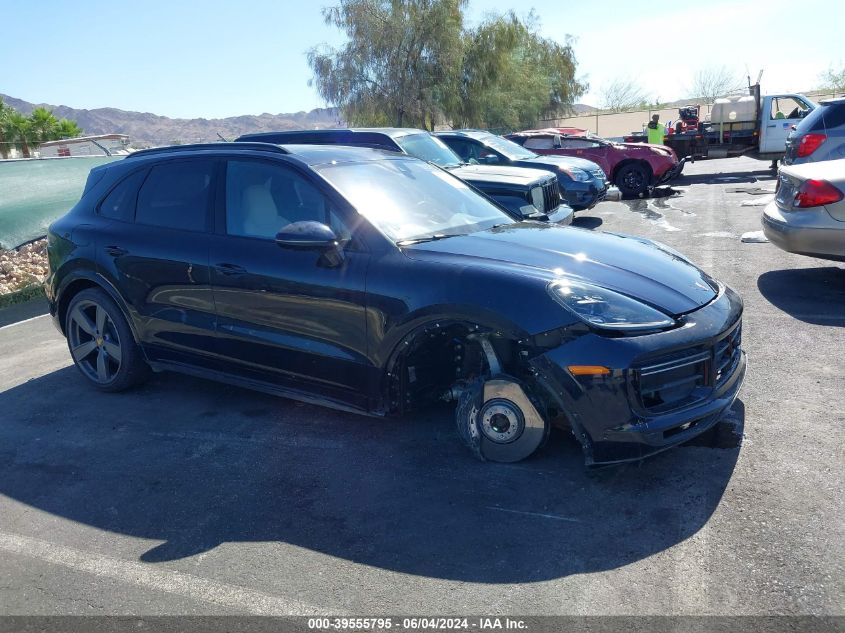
(215, 58)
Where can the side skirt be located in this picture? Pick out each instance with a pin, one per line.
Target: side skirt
(259, 385)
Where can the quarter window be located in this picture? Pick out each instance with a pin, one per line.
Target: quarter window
(262, 198)
(176, 195)
(120, 203)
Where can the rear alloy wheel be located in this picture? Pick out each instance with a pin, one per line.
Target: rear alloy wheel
(101, 343)
(632, 180)
(504, 427)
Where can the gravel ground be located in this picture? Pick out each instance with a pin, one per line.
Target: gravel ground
(22, 266)
(187, 497)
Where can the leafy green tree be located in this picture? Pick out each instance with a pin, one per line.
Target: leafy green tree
(411, 62)
(67, 129)
(43, 124)
(20, 133)
(5, 112)
(400, 59)
(511, 76)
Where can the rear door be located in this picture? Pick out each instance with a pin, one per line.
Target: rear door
(287, 316)
(155, 251)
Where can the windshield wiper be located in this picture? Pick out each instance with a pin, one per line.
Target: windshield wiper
(424, 238)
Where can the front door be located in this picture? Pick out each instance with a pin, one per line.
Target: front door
(783, 112)
(287, 316)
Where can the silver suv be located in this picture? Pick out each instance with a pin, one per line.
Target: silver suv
(820, 136)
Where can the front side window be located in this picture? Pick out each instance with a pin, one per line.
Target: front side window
(409, 200)
(262, 198)
(467, 150)
(120, 203)
(788, 108)
(176, 195)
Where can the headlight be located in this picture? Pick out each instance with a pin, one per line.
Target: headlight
(576, 174)
(537, 198)
(605, 308)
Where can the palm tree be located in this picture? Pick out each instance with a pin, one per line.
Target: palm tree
(20, 132)
(5, 111)
(67, 129)
(43, 125)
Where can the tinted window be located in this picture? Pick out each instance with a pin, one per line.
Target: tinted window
(467, 150)
(176, 195)
(262, 198)
(120, 203)
(825, 117)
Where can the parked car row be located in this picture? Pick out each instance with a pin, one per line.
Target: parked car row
(379, 283)
(807, 216)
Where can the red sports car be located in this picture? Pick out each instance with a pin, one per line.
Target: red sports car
(633, 167)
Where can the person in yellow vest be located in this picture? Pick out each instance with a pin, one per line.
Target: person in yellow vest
(655, 130)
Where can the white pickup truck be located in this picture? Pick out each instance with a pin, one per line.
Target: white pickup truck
(751, 125)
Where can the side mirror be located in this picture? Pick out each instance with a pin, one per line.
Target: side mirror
(313, 236)
(489, 159)
(306, 236)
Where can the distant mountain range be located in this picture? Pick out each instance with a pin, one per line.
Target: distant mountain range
(145, 129)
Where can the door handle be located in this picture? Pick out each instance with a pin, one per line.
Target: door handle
(772, 125)
(230, 269)
(116, 251)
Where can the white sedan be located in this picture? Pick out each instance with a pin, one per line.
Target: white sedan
(807, 215)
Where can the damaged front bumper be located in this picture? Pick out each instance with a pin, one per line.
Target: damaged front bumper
(674, 172)
(662, 390)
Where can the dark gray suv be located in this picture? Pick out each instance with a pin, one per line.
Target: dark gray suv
(820, 136)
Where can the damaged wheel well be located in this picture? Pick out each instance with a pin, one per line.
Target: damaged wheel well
(435, 361)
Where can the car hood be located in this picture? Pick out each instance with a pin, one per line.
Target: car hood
(501, 173)
(630, 265)
(567, 161)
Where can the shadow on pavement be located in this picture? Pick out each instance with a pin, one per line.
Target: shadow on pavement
(587, 221)
(812, 295)
(734, 177)
(196, 464)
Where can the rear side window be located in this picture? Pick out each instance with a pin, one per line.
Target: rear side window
(120, 203)
(823, 118)
(176, 195)
(539, 142)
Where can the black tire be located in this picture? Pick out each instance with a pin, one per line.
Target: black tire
(101, 344)
(527, 437)
(632, 180)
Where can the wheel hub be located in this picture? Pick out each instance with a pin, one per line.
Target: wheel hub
(501, 421)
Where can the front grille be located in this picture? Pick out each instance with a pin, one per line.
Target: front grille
(727, 353)
(688, 376)
(551, 196)
(674, 382)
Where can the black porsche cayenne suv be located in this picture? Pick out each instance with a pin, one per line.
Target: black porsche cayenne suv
(377, 283)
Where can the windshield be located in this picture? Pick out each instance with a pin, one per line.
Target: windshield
(409, 200)
(427, 147)
(511, 150)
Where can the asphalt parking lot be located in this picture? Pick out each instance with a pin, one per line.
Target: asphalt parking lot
(187, 497)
